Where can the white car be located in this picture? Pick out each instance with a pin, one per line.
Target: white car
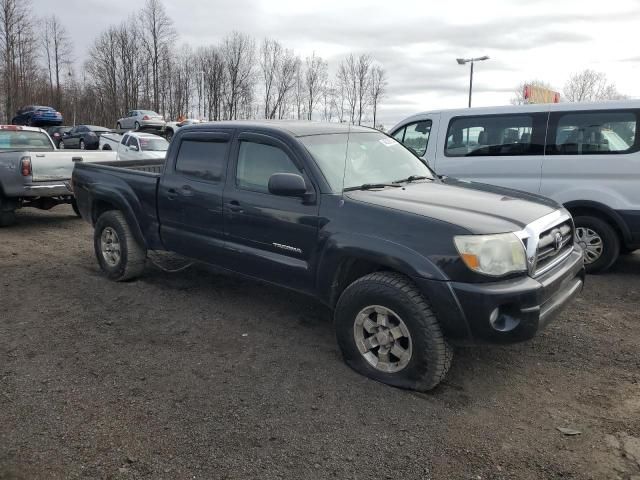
(135, 119)
(171, 128)
(135, 145)
(585, 156)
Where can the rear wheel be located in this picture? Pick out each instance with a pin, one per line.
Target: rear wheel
(599, 241)
(388, 332)
(119, 254)
(118, 126)
(168, 135)
(136, 126)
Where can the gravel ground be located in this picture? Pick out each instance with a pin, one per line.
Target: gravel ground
(201, 375)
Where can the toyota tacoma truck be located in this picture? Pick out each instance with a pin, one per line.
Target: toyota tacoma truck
(33, 173)
(409, 263)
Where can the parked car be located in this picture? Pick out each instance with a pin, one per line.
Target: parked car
(135, 145)
(586, 156)
(171, 128)
(141, 118)
(37, 116)
(347, 215)
(56, 133)
(33, 173)
(83, 137)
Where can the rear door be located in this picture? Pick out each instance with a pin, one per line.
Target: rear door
(268, 236)
(593, 155)
(504, 149)
(190, 196)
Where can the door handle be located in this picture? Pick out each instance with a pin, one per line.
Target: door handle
(171, 194)
(235, 207)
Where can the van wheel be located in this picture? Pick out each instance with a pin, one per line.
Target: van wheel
(599, 241)
(120, 256)
(387, 331)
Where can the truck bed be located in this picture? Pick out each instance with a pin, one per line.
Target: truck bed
(154, 166)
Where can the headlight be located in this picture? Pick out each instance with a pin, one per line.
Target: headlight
(493, 255)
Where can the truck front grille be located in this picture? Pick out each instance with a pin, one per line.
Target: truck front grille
(553, 244)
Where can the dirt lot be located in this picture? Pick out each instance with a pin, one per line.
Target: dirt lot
(199, 375)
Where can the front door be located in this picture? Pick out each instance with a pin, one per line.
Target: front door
(271, 237)
(190, 197)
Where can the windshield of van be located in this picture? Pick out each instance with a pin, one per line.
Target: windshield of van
(24, 140)
(355, 159)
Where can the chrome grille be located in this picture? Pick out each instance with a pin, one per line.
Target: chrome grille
(553, 243)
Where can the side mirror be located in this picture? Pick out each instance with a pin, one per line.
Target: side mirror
(134, 148)
(287, 185)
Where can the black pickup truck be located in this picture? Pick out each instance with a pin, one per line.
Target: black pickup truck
(408, 262)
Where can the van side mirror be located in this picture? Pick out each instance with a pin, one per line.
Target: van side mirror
(287, 185)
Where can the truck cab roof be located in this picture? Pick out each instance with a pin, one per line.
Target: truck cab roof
(296, 128)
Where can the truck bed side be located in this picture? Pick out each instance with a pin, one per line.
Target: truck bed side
(126, 186)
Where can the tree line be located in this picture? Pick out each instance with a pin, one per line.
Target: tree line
(138, 64)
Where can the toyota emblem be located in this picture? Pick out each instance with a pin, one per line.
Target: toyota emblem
(557, 241)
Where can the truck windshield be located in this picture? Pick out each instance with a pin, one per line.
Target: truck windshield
(24, 140)
(371, 158)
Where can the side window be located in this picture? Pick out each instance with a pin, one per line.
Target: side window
(125, 140)
(595, 132)
(496, 135)
(416, 136)
(133, 142)
(399, 134)
(205, 160)
(257, 162)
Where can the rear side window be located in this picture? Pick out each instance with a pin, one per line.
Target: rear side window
(593, 132)
(257, 162)
(496, 135)
(204, 160)
(415, 136)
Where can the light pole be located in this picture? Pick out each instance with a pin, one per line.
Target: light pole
(462, 61)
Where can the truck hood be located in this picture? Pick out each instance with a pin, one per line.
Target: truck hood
(479, 208)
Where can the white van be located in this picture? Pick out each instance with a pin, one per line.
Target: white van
(585, 156)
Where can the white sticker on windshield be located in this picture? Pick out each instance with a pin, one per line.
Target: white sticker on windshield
(388, 142)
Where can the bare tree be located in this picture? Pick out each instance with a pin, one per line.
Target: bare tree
(270, 58)
(315, 77)
(157, 33)
(348, 82)
(590, 86)
(238, 51)
(377, 89)
(58, 49)
(362, 76)
(286, 80)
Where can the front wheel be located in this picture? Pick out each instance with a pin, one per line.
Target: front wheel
(82, 145)
(168, 135)
(599, 241)
(118, 126)
(387, 331)
(136, 126)
(120, 256)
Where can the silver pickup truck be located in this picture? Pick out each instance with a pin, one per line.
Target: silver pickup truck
(33, 173)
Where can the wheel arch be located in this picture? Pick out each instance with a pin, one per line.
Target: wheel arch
(104, 203)
(604, 212)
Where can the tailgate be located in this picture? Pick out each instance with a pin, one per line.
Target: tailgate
(52, 166)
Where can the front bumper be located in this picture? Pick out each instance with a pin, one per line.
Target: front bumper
(507, 311)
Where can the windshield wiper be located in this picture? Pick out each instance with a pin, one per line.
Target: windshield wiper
(370, 186)
(412, 178)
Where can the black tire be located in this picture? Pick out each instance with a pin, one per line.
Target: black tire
(610, 242)
(106, 147)
(7, 213)
(431, 354)
(136, 126)
(61, 145)
(82, 145)
(118, 126)
(168, 135)
(74, 205)
(132, 254)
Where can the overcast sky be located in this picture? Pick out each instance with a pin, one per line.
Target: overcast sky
(416, 41)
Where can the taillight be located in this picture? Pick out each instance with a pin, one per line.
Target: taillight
(25, 166)
(146, 117)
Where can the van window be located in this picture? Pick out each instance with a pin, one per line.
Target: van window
(415, 136)
(204, 160)
(595, 132)
(495, 135)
